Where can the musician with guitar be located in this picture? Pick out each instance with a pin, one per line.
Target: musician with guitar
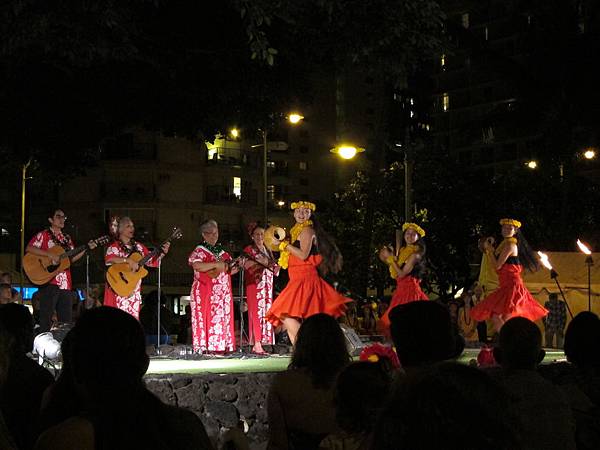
(211, 295)
(260, 270)
(125, 250)
(57, 295)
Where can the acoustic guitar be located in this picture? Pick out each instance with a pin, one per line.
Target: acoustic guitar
(40, 270)
(123, 280)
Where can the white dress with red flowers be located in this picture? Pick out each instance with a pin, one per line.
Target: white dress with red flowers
(259, 297)
(212, 305)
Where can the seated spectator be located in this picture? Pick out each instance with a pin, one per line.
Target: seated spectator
(6, 342)
(108, 360)
(424, 334)
(149, 319)
(5, 294)
(300, 400)
(25, 381)
(446, 406)
(544, 414)
(579, 378)
(6, 278)
(361, 390)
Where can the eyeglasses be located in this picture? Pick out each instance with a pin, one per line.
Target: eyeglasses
(60, 216)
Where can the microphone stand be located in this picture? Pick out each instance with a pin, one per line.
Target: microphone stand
(87, 281)
(554, 276)
(241, 285)
(158, 308)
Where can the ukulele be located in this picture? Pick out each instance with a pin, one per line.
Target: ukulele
(123, 280)
(40, 269)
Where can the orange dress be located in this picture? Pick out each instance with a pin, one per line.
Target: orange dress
(510, 299)
(306, 293)
(408, 289)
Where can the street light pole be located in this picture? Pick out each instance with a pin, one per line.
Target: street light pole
(264, 176)
(23, 181)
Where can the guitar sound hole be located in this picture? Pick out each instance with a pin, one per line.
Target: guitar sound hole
(123, 278)
(51, 268)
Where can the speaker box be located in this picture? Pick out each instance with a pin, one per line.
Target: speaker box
(353, 341)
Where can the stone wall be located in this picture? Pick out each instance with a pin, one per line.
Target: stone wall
(221, 401)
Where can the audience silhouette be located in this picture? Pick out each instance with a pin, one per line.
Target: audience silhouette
(108, 360)
(300, 400)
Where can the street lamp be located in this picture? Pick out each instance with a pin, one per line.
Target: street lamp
(347, 151)
(294, 119)
(590, 153)
(24, 179)
(531, 164)
(235, 133)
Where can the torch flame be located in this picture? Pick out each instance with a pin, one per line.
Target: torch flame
(584, 248)
(545, 261)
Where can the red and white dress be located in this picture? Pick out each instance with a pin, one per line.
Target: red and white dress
(212, 305)
(131, 304)
(259, 297)
(44, 241)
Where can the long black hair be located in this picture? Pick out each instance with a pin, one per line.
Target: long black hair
(527, 256)
(320, 349)
(418, 270)
(332, 257)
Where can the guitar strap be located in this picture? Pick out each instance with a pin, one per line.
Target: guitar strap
(66, 244)
(129, 251)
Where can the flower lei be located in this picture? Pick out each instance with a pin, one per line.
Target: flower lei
(128, 251)
(504, 243)
(376, 352)
(405, 253)
(216, 249)
(284, 256)
(66, 244)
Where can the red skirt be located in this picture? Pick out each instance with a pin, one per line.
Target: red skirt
(306, 293)
(408, 289)
(511, 299)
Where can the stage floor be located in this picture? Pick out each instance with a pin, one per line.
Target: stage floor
(273, 363)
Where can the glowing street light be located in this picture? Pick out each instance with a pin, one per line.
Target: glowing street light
(531, 164)
(346, 151)
(590, 153)
(295, 118)
(235, 133)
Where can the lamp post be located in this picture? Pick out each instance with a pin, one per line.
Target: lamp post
(23, 185)
(589, 261)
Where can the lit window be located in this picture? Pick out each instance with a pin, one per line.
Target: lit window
(237, 187)
(271, 191)
(412, 101)
(271, 164)
(443, 61)
(303, 165)
(445, 102)
(212, 152)
(412, 114)
(465, 20)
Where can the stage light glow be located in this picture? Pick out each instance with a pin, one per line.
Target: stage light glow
(544, 260)
(584, 248)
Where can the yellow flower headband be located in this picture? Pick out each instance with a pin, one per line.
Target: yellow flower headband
(303, 204)
(420, 231)
(515, 223)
